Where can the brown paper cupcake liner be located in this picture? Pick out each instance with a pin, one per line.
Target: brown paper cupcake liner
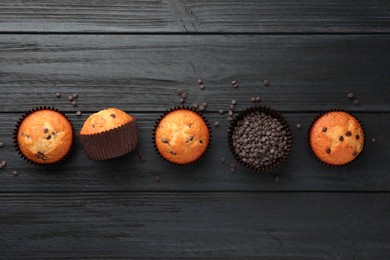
(311, 150)
(15, 138)
(269, 111)
(111, 143)
(167, 112)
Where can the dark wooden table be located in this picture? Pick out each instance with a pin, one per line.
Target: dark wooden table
(133, 55)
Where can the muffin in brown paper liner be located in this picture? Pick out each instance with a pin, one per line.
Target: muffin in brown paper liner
(175, 109)
(319, 159)
(111, 143)
(275, 163)
(16, 130)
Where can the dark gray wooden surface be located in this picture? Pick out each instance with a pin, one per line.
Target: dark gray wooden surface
(134, 55)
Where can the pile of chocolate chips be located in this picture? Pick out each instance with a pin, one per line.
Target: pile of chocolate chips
(261, 140)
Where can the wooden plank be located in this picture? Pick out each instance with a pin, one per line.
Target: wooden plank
(142, 72)
(301, 172)
(272, 225)
(193, 16)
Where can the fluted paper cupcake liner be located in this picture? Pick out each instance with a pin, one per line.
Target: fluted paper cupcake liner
(111, 143)
(268, 111)
(311, 150)
(167, 112)
(16, 130)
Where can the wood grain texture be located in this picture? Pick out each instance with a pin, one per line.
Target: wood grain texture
(142, 72)
(302, 171)
(269, 225)
(194, 16)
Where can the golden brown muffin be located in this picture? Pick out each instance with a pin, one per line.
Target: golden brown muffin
(336, 138)
(45, 136)
(182, 136)
(109, 133)
(105, 120)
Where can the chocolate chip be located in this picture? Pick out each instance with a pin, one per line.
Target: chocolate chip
(232, 165)
(299, 126)
(204, 104)
(48, 137)
(235, 85)
(230, 113)
(324, 129)
(183, 95)
(3, 163)
(373, 140)
(75, 95)
(78, 113)
(233, 102)
(222, 159)
(356, 102)
(113, 115)
(348, 133)
(165, 141)
(258, 99)
(15, 173)
(253, 99)
(201, 108)
(74, 103)
(221, 111)
(328, 150)
(45, 130)
(350, 95)
(230, 118)
(202, 87)
(157, 178)
(341, 138)
(232, 107)
(1, 144)
(357, 137)
(234, 82)
(179, 91)
(266, 83)
(40, 155)
(70, 98)
(200, 141)
(58, 95)
(354, 153)
(200, 81)
(216, 124)
(182, 100)
(190, 139)
(194, 105)
(172, 152)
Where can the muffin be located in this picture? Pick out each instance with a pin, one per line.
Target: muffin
(336, 138)
(44, 136)
(109, 133)
(181, 136)
(260, 139)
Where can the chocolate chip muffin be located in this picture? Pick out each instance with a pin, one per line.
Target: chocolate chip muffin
(181, 136)
(260, 139)
(336, 138)
(109, 133)
(44, 136)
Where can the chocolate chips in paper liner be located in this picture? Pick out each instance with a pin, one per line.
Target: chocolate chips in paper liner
(193, 109)
(16, 130)
(311, 150)
(260, 139)
(111, 143)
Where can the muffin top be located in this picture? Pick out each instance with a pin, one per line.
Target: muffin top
(182, 136)
(105, 120)
(45, 136)
(336, 138)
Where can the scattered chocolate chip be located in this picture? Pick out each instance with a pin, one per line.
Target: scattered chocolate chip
(328, 150)
(194, 105)
(354, 153)
(157, 178)
(235, 85)
(232, 107)
(179, 91)
(70, 98)
(373, 140)
(258, 99)
(233, 102)
(201, 108)
(3, 163)
(205, 104)
(1, 144)
(232, 165)
(183, 95)
(222, 159)
(182, 100)
(299, 126)
(230, 113)
(357, 137)
(113, 115)
(234, 82)
(78, 113)
(266, 83)
(253, 99)
(348, 133)
(276, 178)
(200, 81)
(230, 118)
(15, 173)
(58, 95)
(165, 141)
(216, 124)
(48, 137)
(324, 129)
(74, 103)
(221, 111)
(45, 130)
(75, 95)
(356, 102)
(350, 95)
(202, 87)
(341, 138)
